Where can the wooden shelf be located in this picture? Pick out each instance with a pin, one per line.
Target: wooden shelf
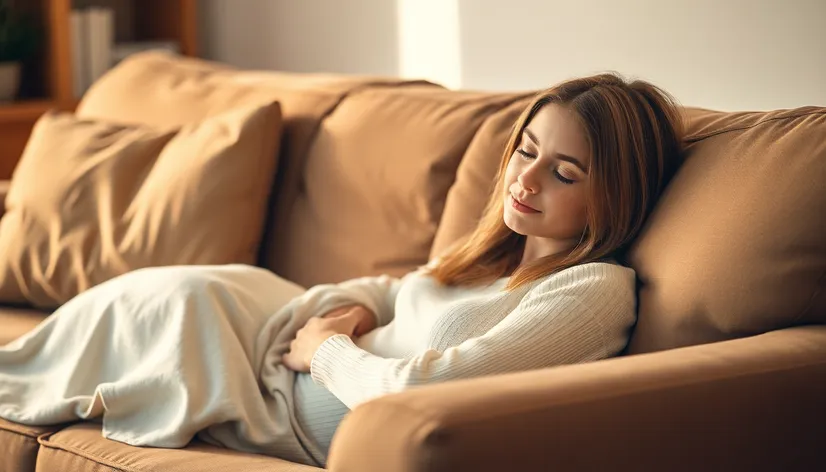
(29, 110)
(50, 73)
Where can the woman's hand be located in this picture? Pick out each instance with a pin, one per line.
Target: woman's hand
(367, 319)
(353, 321)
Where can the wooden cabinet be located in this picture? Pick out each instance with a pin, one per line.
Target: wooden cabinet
(47, 78)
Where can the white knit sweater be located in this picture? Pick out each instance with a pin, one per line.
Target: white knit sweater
(430, 333)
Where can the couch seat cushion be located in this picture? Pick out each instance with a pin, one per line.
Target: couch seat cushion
(81, 447)
(18, 445)
(15, 322)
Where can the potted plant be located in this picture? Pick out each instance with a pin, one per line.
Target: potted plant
(18, 42)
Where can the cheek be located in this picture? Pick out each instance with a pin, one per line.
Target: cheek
(568, 205)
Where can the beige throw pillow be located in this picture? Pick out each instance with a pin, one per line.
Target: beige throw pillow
(736, 245)
(91, 200)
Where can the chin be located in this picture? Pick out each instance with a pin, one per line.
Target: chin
(515, 227)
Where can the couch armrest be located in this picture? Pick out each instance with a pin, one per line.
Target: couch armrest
(757, 403)
(4, 190)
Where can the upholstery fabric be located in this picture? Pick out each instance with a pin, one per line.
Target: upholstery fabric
(745, 404)
(19, 447)
(15, 322)
(374, 186)
(169, 90)
(736, 245)
(81, 447)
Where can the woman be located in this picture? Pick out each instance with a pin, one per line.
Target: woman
(197, 350)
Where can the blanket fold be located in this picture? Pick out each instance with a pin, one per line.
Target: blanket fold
(162, 355)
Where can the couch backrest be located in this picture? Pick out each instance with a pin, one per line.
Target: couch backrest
(365, 167)
(379, 174)
(164, 90)
(374, 185)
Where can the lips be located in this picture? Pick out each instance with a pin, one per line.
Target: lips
(519, 206)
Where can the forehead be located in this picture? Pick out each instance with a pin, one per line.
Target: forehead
(559, 130)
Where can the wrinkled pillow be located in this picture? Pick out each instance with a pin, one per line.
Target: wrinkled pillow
(90, 200)
(736, 245)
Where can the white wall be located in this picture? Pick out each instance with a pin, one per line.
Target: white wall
(723, 54)
(348, 36)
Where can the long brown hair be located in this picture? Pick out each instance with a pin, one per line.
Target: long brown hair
(634, 131)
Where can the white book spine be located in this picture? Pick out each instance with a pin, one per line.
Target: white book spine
(91, 43)
(101, 38)
(108, 46)
(80, 47)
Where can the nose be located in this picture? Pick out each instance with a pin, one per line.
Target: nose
(528, 180)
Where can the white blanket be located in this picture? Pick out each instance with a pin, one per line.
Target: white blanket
(161, 355)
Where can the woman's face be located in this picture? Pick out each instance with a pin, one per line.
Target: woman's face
(545, 182)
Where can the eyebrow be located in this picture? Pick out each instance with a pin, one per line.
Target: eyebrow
(561, 157)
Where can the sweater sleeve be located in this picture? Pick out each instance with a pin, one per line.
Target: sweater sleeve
(377, 293)
(575, 316)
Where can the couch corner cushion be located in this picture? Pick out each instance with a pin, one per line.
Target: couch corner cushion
(18, 445)
(82, 447)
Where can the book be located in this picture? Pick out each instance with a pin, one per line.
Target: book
(101, 41)
(93, 37)
(80, 62)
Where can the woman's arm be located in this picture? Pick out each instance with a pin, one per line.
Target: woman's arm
(561, 321)
(377, 294)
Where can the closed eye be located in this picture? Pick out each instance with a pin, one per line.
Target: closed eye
(526, 154)
(562, 179)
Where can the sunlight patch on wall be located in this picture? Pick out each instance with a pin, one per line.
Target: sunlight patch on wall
(429, 41)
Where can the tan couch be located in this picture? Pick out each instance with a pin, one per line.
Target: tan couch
(727, 366)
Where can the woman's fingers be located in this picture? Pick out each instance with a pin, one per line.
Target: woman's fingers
(316, 330)
(345, 324)
(290, 362)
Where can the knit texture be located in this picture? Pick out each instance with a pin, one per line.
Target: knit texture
(438, 333)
